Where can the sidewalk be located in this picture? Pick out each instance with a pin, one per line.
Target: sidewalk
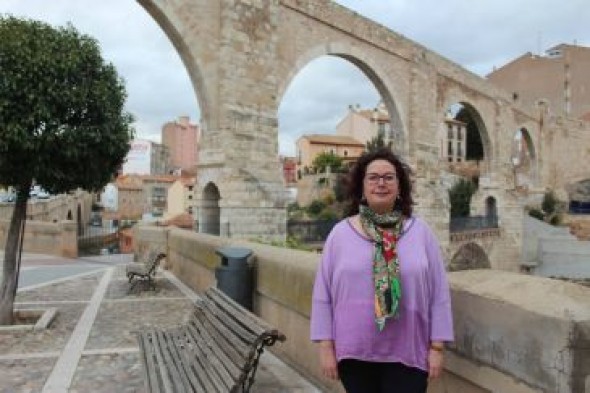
(90, 346)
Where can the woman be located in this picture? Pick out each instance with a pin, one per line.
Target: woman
(381, 308)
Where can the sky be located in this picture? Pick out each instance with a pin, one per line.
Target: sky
(476, 34)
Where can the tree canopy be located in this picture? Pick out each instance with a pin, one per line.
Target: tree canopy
(460, 197)
(327, 159)
(377, 142)
(62, 122)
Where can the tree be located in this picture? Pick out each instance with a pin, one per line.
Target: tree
(62, 122)
(377, 143)
(327, 159)
(460, 197)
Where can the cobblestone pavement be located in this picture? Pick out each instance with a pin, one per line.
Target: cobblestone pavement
(109, 355)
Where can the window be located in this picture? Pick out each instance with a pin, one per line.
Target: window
(450, 148)
(449, 131)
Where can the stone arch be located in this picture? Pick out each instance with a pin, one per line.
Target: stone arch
(524, 159)
(482, 129)
(470, 256)
(475, 114)
(368, 67)
(210, 212)
(173, 28)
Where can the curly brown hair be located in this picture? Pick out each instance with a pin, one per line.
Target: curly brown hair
(356, 176)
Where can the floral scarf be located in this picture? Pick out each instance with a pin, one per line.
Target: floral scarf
(384, 230)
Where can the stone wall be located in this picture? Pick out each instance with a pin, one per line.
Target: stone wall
(551, 251)
(514, 333)
(46, 237)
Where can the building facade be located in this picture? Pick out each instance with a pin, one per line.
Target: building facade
(366, 124)
(180, 197)
(559, 79)
(310, 146)
(146, 158)
(182, 140)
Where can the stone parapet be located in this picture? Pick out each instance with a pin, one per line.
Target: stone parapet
(534, 330)
(514, 333)
(46, 237)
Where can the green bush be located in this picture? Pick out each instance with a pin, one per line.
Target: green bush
(536, 213)
(460, 197)
(555, 220)
(549, 203)
(328, 214)
(315, 207)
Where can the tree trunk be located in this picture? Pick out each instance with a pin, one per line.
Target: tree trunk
(12, 256)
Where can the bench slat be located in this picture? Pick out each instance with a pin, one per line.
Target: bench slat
(211, 363)
(170, 374)
(249, 319)
(227, 351)
(236, 328)
(149, 368)
(197, 378)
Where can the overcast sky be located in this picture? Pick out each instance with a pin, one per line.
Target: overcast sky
(476, 34)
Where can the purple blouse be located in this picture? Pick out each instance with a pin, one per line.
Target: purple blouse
(343, 297)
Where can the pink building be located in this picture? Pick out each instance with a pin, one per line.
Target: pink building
(182, 139)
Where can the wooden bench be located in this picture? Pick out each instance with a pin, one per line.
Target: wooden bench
(144, 272)
(216, 351)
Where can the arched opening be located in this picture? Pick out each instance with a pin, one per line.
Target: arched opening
(69, 216)
(470, 256)
(463, 141)
(209, 221)
(79, 221)
(343, 125)
(524, 160)
(491, 216)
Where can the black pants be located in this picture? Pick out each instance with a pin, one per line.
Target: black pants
(371, 377)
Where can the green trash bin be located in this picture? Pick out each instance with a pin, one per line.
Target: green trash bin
(234, 274)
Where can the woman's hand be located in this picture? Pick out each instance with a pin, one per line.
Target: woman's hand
(435, 363)
(328, 359)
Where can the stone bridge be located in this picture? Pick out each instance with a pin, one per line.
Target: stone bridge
(242, 55)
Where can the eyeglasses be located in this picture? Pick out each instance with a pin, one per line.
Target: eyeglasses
(373, 178)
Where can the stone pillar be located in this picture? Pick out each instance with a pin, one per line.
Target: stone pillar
(69, 239)
(239, 153)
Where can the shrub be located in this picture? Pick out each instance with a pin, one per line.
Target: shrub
(549, 203)
(536, 213)
(315, 207)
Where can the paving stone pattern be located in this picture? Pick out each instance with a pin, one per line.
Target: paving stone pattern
(110, 360)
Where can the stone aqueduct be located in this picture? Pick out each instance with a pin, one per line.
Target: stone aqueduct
(241, 56)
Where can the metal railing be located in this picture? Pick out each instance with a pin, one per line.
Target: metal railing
(310, 231)
(97, 240)
(474, 223)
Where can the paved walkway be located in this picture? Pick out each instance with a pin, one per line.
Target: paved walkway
(90, 346)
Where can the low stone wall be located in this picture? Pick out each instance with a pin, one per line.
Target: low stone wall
(514, 333)
(554, 252)
(46, 238)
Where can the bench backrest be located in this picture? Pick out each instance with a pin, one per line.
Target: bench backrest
(237, 335)
(154, 258)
